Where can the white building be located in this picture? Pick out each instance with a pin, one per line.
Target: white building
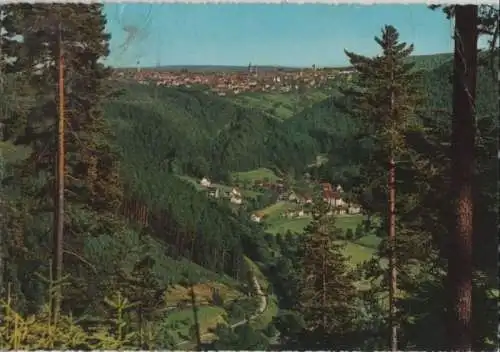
(205, 182)
(256, 218)
(235, 192)
(235, 200)
(354, 209)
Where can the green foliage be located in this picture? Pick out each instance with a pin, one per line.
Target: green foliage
(349, 235)
(423, 211)
(242, 337)
(41, 331)
(327, 283)
(386, 93)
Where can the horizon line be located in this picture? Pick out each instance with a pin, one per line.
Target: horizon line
(256, 65)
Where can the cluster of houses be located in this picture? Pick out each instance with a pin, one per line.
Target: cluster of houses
(294, 197)
(333, 196)
(238, 82)
(234, 195)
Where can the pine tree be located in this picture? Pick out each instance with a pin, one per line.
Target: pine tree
(92, 187)
(385, 95)
(327, 286)
(92, 178)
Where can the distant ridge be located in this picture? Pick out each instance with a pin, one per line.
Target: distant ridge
(210, 68)
(418, 59)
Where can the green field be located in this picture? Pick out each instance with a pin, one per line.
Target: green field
(274, 211)
(253, 175)
(282, 225)
(277, 224)
(357, 253)
(348, 221)
(370, 241)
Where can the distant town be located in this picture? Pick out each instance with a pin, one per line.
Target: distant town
(232, 82)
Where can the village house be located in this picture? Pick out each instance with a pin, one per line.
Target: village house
(353, 209)
(257, 217)
(333, 197)
(235, 196)
(205, 182)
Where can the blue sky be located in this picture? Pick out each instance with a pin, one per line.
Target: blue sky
(286, 35)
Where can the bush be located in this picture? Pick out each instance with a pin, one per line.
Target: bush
(270, 330)
(236, 313)
(349, 235)
(39, 332)
(359, 232)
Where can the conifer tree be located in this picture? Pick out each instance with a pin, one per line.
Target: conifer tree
(385, 95)
(92, 177)
(92, 187)
(327, 286)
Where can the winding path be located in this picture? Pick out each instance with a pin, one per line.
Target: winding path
(261, 309)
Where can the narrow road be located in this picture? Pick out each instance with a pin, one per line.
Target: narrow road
(262, 304)
(261, 309)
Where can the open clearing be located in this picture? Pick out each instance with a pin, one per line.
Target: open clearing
(370, 241)
(357, 253)
(254, 175)
(203, 293)
(281, 225)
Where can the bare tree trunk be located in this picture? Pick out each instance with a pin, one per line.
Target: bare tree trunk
(324, 288)
(462, 169)
(59, 196)
(196, 319)
(2, 201)
(392, 255)
(391, 183)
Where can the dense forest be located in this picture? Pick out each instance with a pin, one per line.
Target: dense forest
(94, 264)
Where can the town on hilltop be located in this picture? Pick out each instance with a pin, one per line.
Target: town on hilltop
(233, 82)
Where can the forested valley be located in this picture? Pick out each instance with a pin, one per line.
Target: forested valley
(108, 239)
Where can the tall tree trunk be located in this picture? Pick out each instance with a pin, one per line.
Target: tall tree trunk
(324, 288)
(391, 182)
(59, 196)
(2, 201)
(195, 317)
(2, 212)
(462, 169)
(392, 254)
